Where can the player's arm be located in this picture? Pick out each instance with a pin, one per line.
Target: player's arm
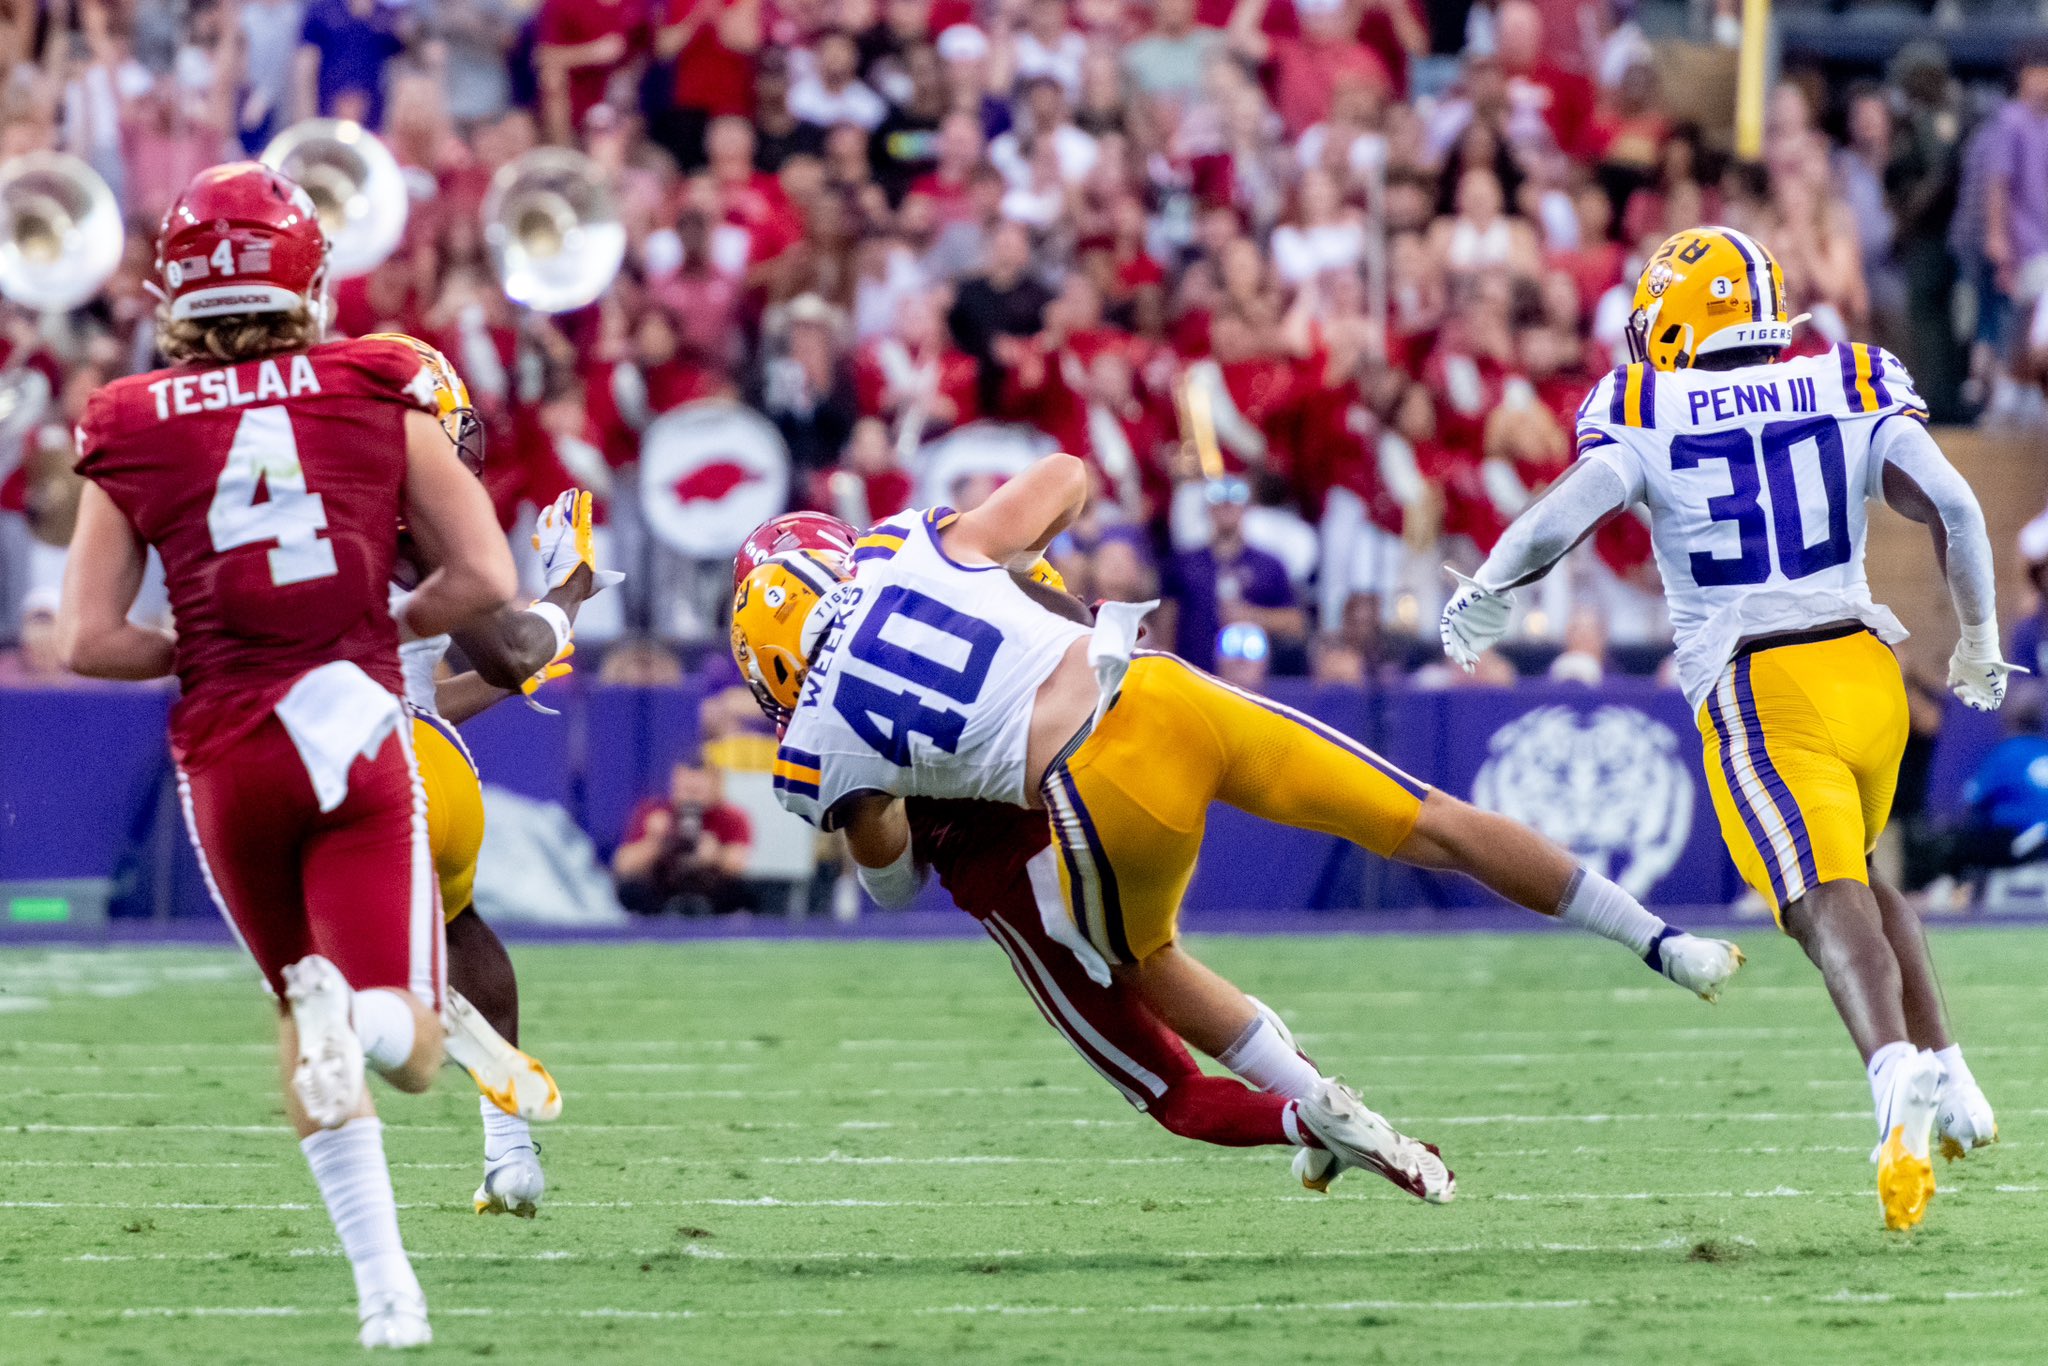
(1571, 509)
(878, 836)
(101, 578)
(450, 517)
(1920, 483)
(508, 649)
(1021, 518)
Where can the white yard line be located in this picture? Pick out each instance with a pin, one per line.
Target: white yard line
(1001, 1310)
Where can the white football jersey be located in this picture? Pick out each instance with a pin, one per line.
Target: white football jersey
(1755, 480)
(924, 685)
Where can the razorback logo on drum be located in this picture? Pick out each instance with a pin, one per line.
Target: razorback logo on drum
(710, 472)
(1610, 787)
(712, 481)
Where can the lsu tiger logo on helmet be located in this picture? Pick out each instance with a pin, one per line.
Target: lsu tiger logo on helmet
(440, 386)
(776, 626)
(1707, 290)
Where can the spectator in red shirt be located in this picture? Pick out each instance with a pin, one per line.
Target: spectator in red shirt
(714, 44)
(684, 854)
(1538, 86)
(914, 376)
(579, 45)
(1304, 71)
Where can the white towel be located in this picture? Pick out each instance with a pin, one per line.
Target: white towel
(335, 715)
(1044, 872)
(1111, 647)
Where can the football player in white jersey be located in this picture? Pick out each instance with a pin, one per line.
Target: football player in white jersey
(932, 673)
(1755, 473)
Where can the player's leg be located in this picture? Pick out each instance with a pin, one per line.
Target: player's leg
(250, 817)
(1129, 1047)
(1794, 736)
(483, 1023)
(482, 1015)
(1127, 811)
(1290, 768)
(1965, 1117)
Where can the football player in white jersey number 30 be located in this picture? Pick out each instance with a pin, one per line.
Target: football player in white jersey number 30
(1755, 473)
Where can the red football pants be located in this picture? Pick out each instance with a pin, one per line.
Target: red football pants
(1117, 1036)
(355, 884)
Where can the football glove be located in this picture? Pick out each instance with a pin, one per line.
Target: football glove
(1473, 620)
(1043, 574)
(562, 534)
(1977, 672)
(555, 668)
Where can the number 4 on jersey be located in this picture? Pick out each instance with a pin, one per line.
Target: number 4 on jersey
(265, 458)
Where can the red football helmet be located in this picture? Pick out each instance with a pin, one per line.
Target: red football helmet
(240, 239)
(819, 531)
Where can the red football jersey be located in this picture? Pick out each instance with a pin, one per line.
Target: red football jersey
(272, 491)
(978, 849)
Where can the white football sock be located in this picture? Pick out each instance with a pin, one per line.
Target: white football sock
(1880, 1070)
(1265, 1060)
(1595, 904)
(1951, 1060)
(348, 1165)
(502, 1132)
(385, 1027)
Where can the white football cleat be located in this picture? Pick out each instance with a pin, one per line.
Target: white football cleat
(1905, 1167)
(1360, 1138)
(1316, 1168)
(1963, 1117)
(394, 1319)
(507, 1078)
(1701, 966)
(329, 1077)
(513, 1184)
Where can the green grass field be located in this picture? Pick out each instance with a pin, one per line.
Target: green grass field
(879, 1153)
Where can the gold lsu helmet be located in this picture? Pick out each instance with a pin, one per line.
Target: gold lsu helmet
(1707, 290)
(451, 400)
(776, 626)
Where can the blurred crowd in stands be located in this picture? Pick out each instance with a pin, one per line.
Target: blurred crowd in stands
(1386, 246)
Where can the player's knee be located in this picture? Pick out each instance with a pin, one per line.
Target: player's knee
(1833, 916)
(417, 1072)
(1446, 831)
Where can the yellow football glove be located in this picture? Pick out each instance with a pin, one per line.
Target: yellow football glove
(563, 537)
(558, 667)
(1044, 574)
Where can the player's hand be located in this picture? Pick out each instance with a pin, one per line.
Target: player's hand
(1978, 677)
(1473, 620)
(563, 536)
(555, 668)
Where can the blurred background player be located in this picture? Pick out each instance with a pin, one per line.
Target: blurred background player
(1060, 689)
(1781, 650)
(268, 469)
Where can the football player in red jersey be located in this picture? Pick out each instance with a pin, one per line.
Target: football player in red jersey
(268, 469)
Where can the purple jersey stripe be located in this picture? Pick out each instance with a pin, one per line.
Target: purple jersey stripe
(1877, 384)
(1741, 799)
(1112, 904)
(1781, 795)
(1846, 354)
